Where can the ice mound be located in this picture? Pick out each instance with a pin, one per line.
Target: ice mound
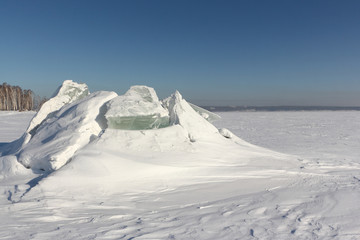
(138, 109)
(73, 118)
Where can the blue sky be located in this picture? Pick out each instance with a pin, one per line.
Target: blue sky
(214, 52)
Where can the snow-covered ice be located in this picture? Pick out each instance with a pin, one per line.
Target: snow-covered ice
(185, 179)
(67, 93)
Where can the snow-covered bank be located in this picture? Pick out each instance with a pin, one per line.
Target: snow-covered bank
(180, 180)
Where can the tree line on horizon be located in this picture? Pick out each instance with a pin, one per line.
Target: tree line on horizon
(14, 98)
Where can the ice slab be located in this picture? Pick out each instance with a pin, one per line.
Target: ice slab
(67, 93)
(138, 122)
(138, 109)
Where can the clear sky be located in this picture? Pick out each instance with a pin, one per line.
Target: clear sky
(214, 52)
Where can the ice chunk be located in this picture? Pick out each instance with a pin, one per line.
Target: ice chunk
(205, 113)
(226, 133)
(67, 93)
(138, 122)
(138, 109)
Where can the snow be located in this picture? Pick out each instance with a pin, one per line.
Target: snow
(321, 137)
(12, 126)
(184, 181)
(61, 135)
(183, 114)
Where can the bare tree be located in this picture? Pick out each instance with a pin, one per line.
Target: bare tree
(13, 98)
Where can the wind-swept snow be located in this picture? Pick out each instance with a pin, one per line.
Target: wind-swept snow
(91, 178)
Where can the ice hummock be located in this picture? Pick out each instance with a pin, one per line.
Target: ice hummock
(74, 119)
(76, 158)
(138, 109)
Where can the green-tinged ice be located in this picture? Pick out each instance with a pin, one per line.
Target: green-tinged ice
(138, 122)
(76, 93)
(138, 109)
(205, 113)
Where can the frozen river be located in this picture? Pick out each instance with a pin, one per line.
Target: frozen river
(262, 200)
(317, 135)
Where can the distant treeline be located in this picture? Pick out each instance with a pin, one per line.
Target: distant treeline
(277, 108)
(13, 98)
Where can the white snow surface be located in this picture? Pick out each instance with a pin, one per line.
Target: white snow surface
(185, 181)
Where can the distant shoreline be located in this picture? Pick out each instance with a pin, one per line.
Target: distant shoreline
(277, 108)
